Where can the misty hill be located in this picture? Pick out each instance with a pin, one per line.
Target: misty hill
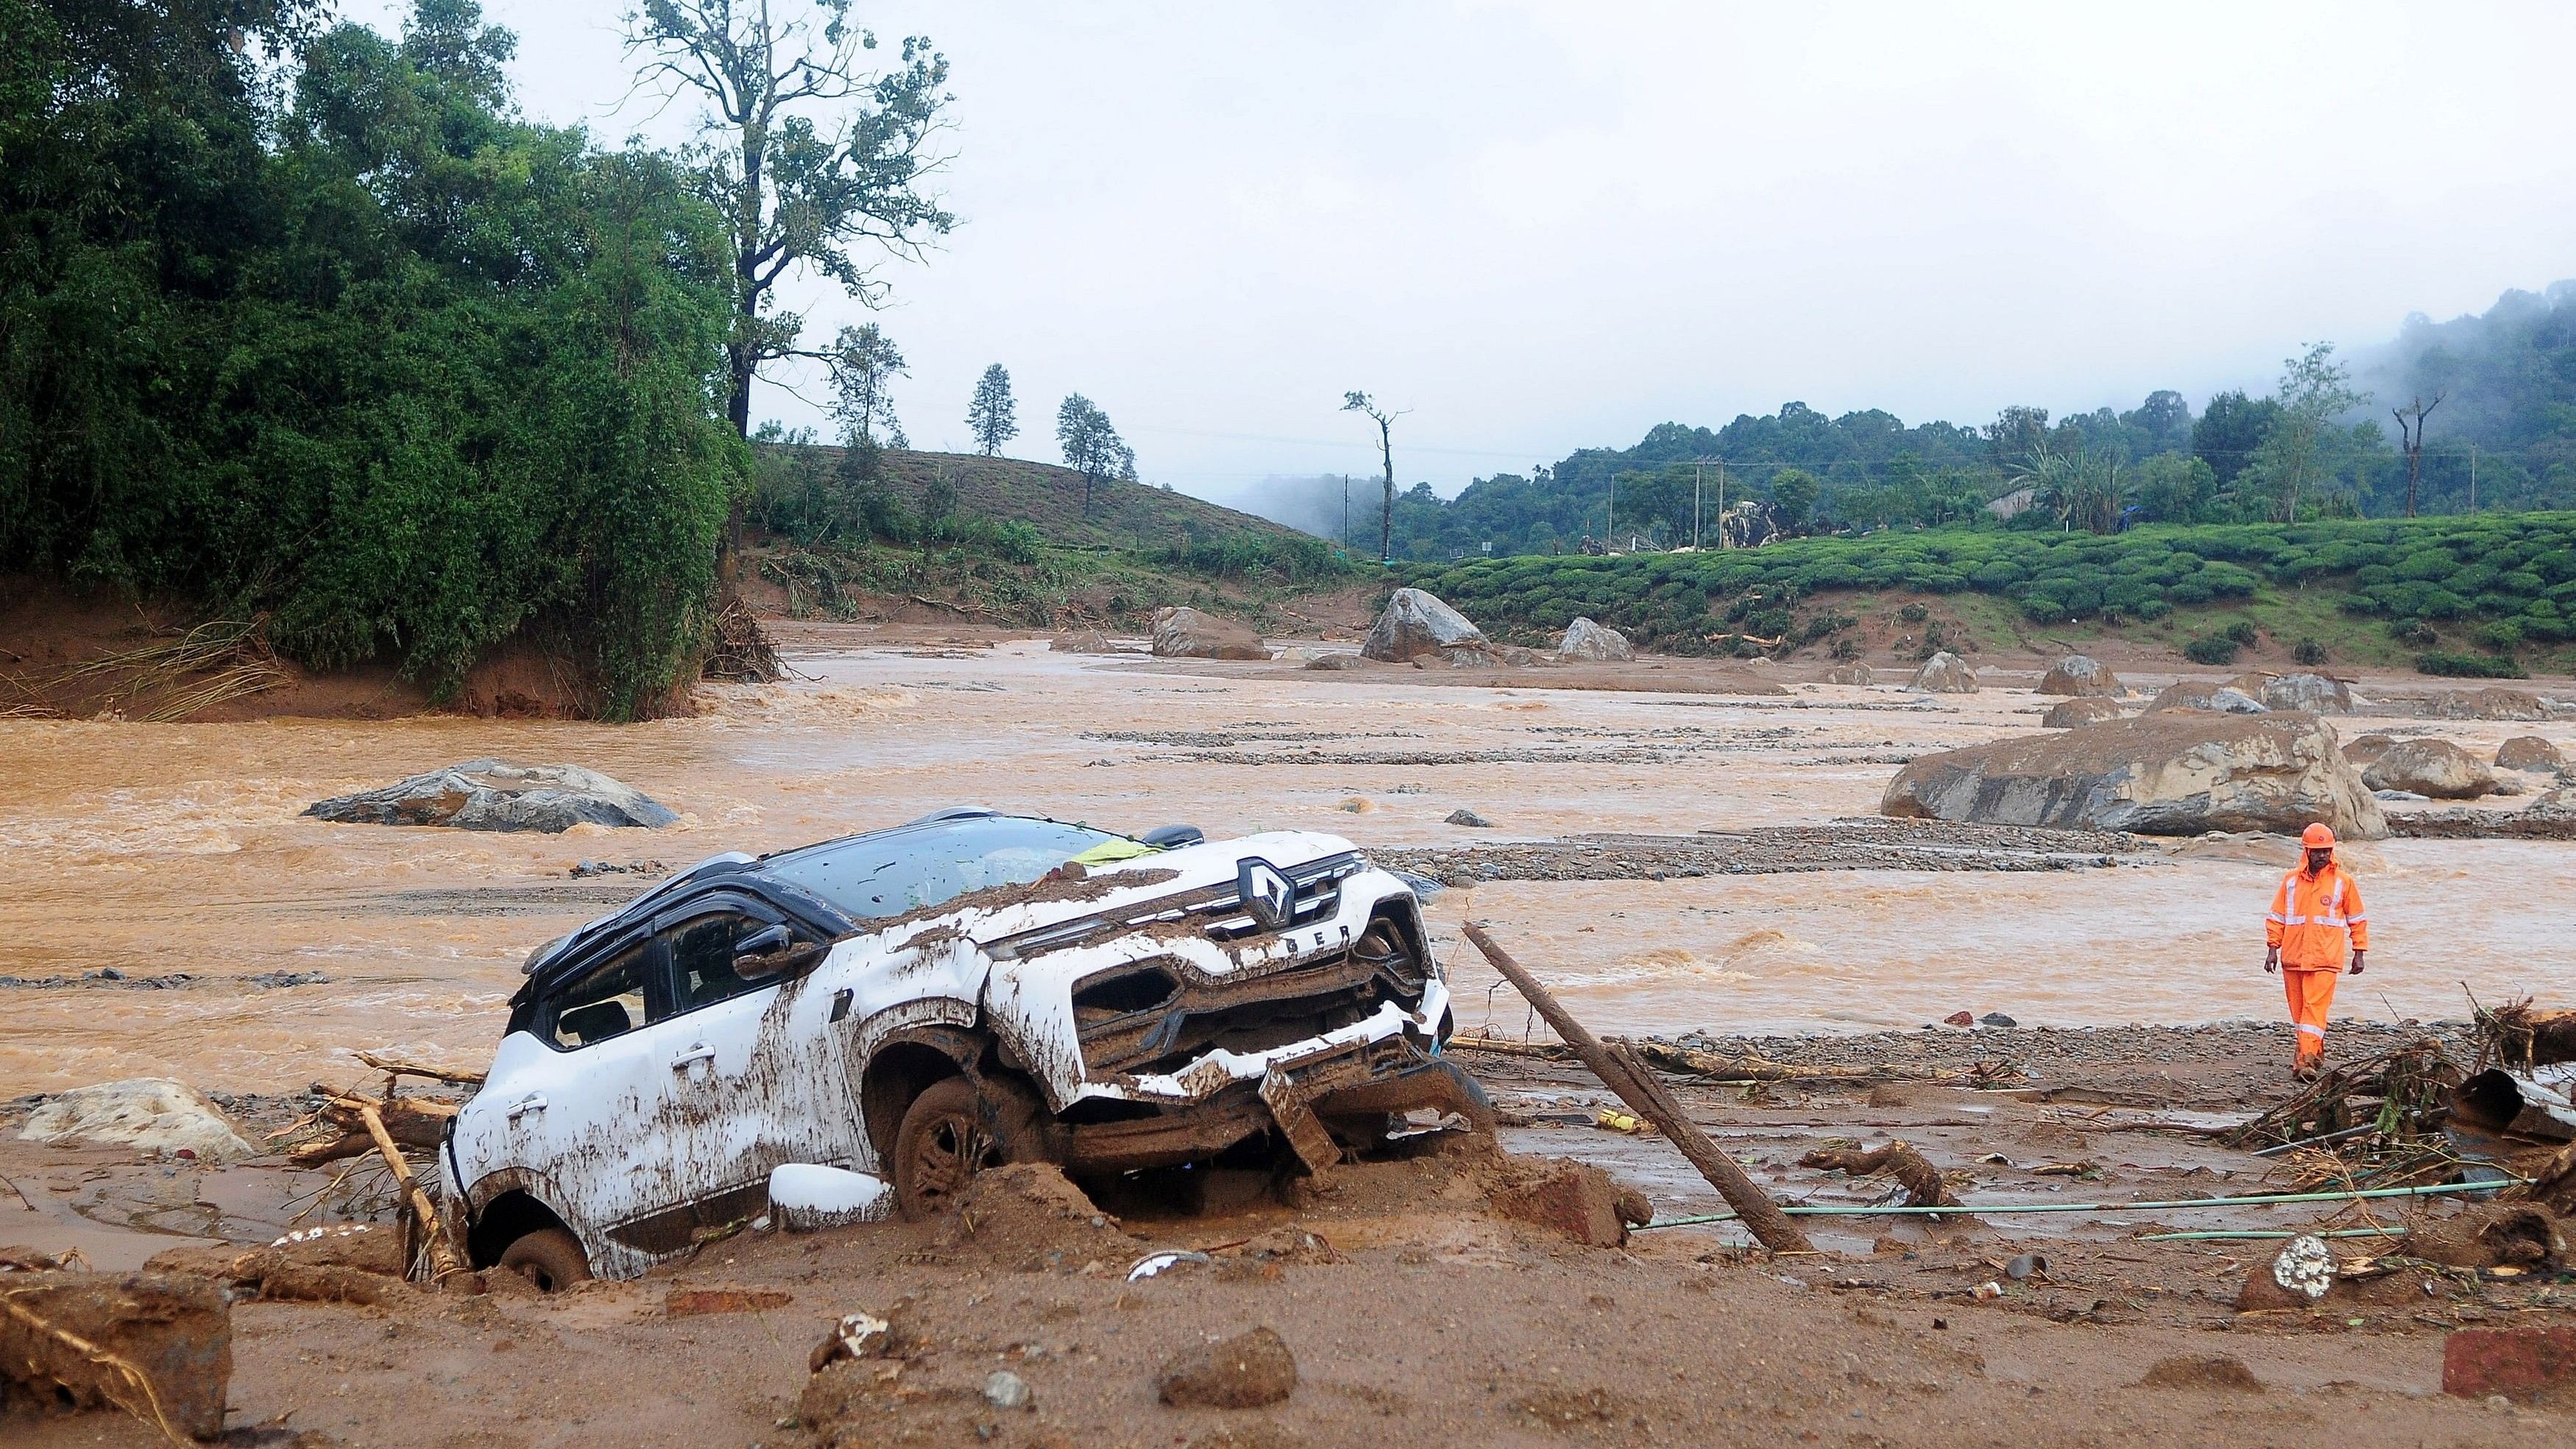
(2506, 378)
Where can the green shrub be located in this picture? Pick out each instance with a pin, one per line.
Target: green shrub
(2309, 652)
(2241, 631)
(2413, 633)
(2469, 666)
(2502, 636)
(2211, 649)
(1914, 613)
(2154, 609)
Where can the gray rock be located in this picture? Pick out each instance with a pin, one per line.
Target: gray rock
(1185, 633)
(1468, 817)
(1996, 1018)
(1082, 641)
(2359, 753)
(2561, 801)
(2315, 693)
(2202, 694)
(1415, 624)
(2513, 704)
(2170, 773)
(1852, 674)
(2530, 752)
(2075, 714)
(2081, 676)
(2436, 768)
(1336, 661)
(2398, 797)
(1944, 673)
(1004, 1389)
(1585, 639)
(496, 795)
(148, 1114)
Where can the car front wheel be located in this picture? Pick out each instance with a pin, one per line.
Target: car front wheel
(551, 1258)
(952, 1132)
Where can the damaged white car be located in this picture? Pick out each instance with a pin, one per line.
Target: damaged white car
(920, 1003)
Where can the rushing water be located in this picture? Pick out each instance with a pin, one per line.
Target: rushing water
(163, 849)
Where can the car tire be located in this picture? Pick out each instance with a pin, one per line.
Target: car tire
(953, 1131)
(551, 1258)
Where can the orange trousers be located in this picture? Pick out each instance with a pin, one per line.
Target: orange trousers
(2311, 994)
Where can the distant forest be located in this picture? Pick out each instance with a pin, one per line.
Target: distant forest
(2322, 444)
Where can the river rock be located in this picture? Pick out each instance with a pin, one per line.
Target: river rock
(1082, 641)
(2561, 801)
(1944, 673)
(2081, 676)
(2075, 714)
(2173, 773)
(1852, 674)
(496, 795)
(2361, 752)
(2436, 768)
(1416, 623)
(2202, 694)
(173, 1330)
(2530, 752)
(1587, 640)
(148, 1114)
(2513, 704)
(1329, 662)
(1185, 633)
(2315, 693)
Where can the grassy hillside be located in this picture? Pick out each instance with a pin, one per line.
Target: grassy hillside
(2485, 594)
(1121, 515)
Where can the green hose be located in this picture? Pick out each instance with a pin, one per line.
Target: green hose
(2260, 1235)
(1982, 1209)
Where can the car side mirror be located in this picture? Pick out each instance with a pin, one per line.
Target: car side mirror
(1173, 837)
(771, 952)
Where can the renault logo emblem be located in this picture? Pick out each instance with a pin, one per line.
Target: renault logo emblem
(1266, 892)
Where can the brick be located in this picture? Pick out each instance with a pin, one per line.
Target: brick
(2519, 1363)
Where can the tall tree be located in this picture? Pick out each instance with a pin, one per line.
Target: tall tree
(2229, 431)
(2017, 437)
(2411, 440)
(2314, 391)
(865, 362)
(1360, 402)
(993, 416)
(813, 159)
(1091, 446)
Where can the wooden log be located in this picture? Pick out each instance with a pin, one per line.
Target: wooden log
(395, 1066)
(442, 1259)
(1627, 1074)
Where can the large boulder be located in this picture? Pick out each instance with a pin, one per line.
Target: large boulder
(2511, 704)
(2435, 768)
(2531, 753)
(148, 1114)
(1082, 641)
(2174, 773)
(1852, 674)
(1585, 639)
(2315, 693)
(2075, 714)
(2203, 694)
(1416, 623)
(1944, 673)
(1185, 633)
(2082, 677)
(2359, 753)
(496, 795)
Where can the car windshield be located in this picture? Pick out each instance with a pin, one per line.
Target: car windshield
(871, 877)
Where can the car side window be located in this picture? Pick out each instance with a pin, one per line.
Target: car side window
(702, 960)
(607, 1002)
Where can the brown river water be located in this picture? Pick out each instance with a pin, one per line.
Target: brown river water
(160, 849)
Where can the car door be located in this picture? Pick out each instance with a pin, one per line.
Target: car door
(750, 1070)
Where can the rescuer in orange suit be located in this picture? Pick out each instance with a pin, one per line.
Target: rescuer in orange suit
(2316, 908)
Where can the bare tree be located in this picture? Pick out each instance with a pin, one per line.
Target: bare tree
(792, 191)
(2411, 441)
(1360, 402)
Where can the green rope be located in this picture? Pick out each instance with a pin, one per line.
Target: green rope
(2260, 1235)
(1864, 1210)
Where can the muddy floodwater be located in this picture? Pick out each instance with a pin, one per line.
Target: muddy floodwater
(161, 851)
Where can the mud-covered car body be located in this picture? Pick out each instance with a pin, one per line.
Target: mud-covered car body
(1163, 1008)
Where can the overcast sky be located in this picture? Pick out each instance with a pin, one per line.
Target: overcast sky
(1541, 226)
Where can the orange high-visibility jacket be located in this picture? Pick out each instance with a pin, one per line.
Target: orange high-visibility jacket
(2311, 915)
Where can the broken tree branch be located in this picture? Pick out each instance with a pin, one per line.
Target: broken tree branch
(1625, 1073)
(442, 1259)
(395, 1066)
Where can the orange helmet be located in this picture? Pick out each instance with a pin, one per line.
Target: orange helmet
(2319, 836)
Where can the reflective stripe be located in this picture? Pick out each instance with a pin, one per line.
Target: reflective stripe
(2291, 920)
(2277, 916)
(2312, 1030)
(2356, 920)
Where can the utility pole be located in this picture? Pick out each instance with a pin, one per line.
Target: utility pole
(1346, 516)
(1695, 491)
(2473, 477)
(1610, 532)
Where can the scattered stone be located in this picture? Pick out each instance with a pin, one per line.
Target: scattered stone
(148, 1114)
(2512, 1363)
(2202, 694)
(491, 794)
(1575, 1200)
(2561, 801)
(2531, 753)
(1246, 1371)
(2507, 704)
(1336, 662)
(1585, 639)
(1959, 1018)
(174, 1330)
(2361, 752)
(2436, 768)
(2314, 693)
(1182, 632)
(2075, 714)
(1082, 641)
(1004, 1389)
(1468, 818)
(2398, 797)
(1996, 1018)
(1416, 624)
(2170, 773)
(2082, 677)
(1944, 673)
(2219, 1372)
(1852, 674)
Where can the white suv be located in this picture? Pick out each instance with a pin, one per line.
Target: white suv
(924, 1002)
